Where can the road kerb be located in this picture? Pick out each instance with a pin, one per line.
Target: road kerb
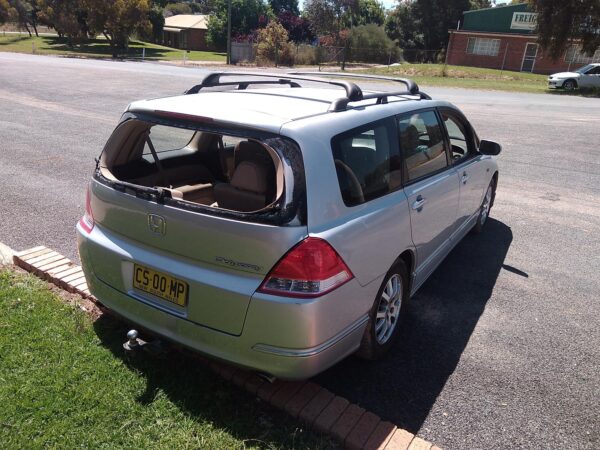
(351, 425)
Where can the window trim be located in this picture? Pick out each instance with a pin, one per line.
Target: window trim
(405, 179)
(474, 140)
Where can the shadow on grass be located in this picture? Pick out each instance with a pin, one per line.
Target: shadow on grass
(204, 396)
(99, 47)
(403, 386)
(14, 40)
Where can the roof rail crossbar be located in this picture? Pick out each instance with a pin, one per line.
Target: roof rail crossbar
(411, 86)
(353, 92)
(341, 104)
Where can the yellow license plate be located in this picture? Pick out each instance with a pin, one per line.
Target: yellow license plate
(159, 284)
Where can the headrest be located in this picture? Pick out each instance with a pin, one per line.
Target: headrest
(250, 176)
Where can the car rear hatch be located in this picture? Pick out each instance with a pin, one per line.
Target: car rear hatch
(200, 263)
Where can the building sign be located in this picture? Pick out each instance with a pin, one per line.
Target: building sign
(523, 21)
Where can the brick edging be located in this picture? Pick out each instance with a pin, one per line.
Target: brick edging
(311, 404)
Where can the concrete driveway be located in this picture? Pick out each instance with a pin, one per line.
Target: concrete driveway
(503, 342)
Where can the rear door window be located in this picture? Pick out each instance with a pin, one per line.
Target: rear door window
(367, 162)
(422, 144)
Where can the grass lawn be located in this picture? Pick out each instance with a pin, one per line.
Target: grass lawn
(466, 77)
(98, 48)
(65, 383)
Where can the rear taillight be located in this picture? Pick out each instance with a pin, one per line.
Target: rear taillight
(87, 221)
(310, 269)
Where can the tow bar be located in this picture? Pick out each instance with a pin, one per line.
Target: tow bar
(134, 344)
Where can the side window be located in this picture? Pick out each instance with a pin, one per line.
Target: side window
(367, 162)
(422, 144)
(461, 143)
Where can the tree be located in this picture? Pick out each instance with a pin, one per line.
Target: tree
(480, 4)
(404, 26)
(174, 9)
(280, 6)
(25, 13)
(297, 27)
(246, 16)
(67, 17)
(560, 22)
(370, 43)
(368, 11)
(117, 20)
(330, 17)
(273, 45)
(6, 11)
(437, 17)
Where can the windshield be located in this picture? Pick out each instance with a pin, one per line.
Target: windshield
(584, 69)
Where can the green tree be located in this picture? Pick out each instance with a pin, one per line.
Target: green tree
(246, 15)
(370, 43)
(368, 11)
(560, 22)
(117, 20)
(437, 17)
(25, 13)
(279, 6)
(174, 9)
(67, 17)
(404, 26)
(480, 4)
(6, 11)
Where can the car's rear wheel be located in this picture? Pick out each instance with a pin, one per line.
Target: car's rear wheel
(569, 85)
(387, 314)
(484, 210)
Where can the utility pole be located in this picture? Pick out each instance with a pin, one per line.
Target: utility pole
(228, 31)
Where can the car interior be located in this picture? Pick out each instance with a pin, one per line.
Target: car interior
(205, 168)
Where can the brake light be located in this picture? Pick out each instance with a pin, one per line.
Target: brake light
(87, 221)
(310, 269)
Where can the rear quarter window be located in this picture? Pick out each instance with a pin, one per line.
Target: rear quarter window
(367, 162)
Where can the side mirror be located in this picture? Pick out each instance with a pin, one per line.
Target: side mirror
(489, 147)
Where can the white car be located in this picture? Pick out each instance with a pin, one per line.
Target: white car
(584, 77)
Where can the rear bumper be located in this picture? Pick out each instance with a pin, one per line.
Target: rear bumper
(284, 339)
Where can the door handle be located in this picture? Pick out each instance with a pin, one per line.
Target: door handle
(418, 203)
(464, 178)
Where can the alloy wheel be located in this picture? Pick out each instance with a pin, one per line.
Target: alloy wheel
(388, 310)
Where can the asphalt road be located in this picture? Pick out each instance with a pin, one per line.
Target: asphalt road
(502, 344)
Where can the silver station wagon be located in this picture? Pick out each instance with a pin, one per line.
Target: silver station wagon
(281, 222)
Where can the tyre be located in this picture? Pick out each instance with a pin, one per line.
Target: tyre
(569, 85)
(386, 315)
(484, 210)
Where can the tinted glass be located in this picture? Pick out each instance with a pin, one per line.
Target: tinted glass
(459, 137)
(421, 144)
(367, 162)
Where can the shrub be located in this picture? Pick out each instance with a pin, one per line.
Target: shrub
(370, 43)
(306, 55)
(273, 46)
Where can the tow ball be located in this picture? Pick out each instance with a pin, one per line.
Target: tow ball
(134, 344)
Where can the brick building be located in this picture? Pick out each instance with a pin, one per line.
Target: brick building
(504, 38)
(186, 31)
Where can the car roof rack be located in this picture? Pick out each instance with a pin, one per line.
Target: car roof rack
(411, 86)
(213, 79)
(353, 91)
